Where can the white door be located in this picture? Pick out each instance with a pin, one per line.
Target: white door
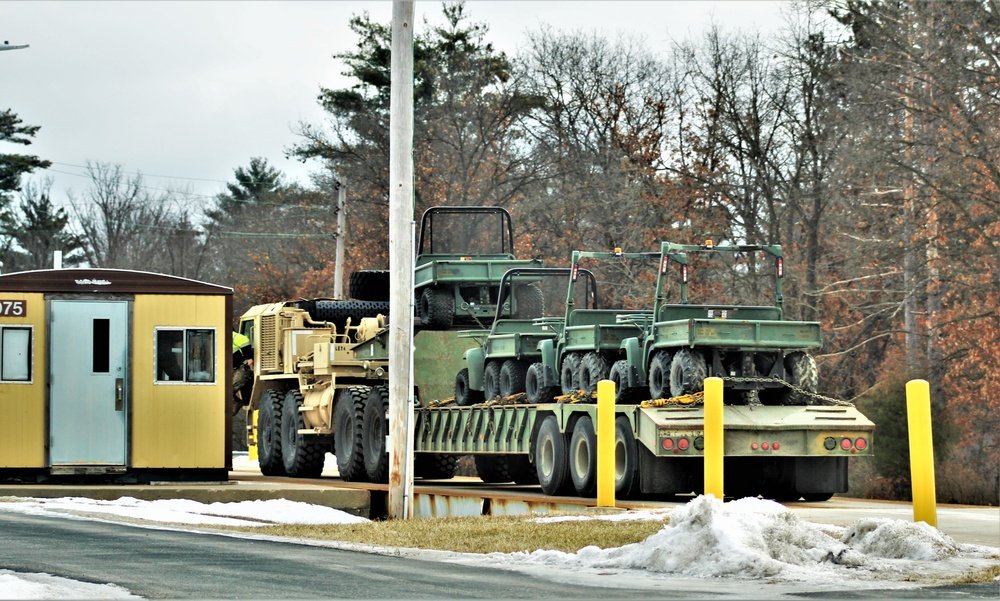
(88, 347)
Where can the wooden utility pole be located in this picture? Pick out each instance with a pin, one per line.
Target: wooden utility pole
(401, 262)
(338, 270)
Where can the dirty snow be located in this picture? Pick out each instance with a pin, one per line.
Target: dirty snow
(747, 542)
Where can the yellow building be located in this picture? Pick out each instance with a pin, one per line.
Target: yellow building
(114, 372)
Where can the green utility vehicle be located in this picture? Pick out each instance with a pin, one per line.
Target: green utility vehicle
(531, 309)
(590, 344)
(461, 256)
(762, 357)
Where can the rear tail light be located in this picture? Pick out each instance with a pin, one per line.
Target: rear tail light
(861, 444)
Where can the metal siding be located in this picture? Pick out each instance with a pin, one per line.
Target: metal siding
(22, 429)
(178, 425)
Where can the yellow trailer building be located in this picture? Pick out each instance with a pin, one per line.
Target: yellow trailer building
(115, 373)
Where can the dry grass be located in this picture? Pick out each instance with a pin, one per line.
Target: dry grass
(486, 534)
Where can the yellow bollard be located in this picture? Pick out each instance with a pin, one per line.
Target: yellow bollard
(605, 443)
(714, 449)
(918, 417)
(252, 438)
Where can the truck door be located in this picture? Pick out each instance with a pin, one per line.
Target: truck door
(88, 350)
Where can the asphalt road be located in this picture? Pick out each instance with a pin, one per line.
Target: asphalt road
(177, 565)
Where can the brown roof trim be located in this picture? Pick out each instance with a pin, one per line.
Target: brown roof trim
(106, 281)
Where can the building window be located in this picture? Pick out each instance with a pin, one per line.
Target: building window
(185, 355)
(15, 354)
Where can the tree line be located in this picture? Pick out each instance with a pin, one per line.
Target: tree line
(863, 137)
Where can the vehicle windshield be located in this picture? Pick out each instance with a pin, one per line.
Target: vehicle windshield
(542, 293)
(465, 231)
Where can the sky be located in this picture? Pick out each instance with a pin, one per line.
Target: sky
(185, 92)
(747, 546)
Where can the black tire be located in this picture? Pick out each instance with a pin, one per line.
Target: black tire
(464, 394)
(533, 388)
(437, 308)
(583, 457)
(801, 371)
(626, 459)
(492, 469)
(302, 456)
(687, 372)
(520, 469)
(491, 380)
(375, 426)
(435, 466)
(659, 376)
(569, 373)
(512, 375)
(338, 311)
(369, 285)
(529, 302)
(550, 458)
(619, 375)
(593, 369)
(348, 439)
(269, 434)
(817, 497)
(782, 492)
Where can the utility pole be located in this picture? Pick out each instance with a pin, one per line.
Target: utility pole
(401, 399)
(338, 269)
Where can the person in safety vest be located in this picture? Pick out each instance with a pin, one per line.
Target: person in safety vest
(242, 371)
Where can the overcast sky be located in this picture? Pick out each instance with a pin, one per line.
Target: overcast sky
(193, 90)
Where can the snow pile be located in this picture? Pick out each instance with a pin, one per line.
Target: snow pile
(184, 511)
(758, 539)
(15, 585)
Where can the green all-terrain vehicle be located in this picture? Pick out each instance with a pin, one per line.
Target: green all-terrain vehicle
(531, 309)
(461, 256)
(762, 357)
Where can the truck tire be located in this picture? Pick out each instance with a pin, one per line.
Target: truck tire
(619, 376)
(687, 372)
(520, 469)
(492, 469)
(337, 311)
(569, 374)
(583, 457)
(512, 375)
(491, 380)
(437, 308)
(369, 285)
(659, 376)
(302, 455)
(269, 434)
(348, 439)
(464, 394)
(801, 371)
(626, 459)
(375, 426)
(593, 369)
(529, 302)
(550, 458)
(435, 466)
(533, 388)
